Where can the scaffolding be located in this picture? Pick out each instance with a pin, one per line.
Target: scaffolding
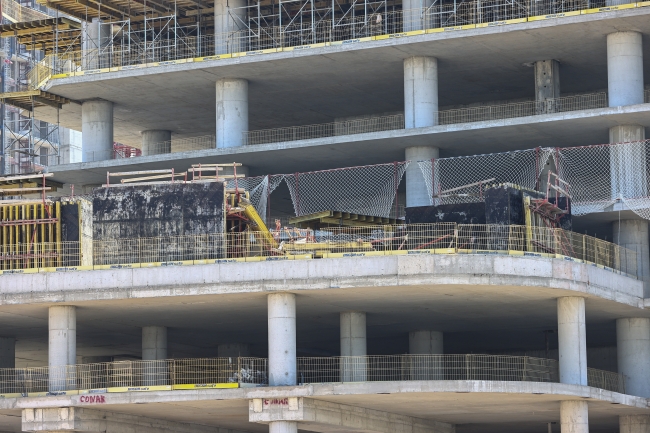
(98, 34)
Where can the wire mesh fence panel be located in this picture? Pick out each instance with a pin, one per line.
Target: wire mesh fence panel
(426, 367)
(372, 189)
(606, 380)
(127, 375)
(443, 238)
(206, 370)
(30, 255)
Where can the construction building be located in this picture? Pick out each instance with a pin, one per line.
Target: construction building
(351, 216)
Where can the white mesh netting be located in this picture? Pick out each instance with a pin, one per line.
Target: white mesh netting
(599, 176)
(603, 175)
(259, 188)
(462, 179)
(365, 190)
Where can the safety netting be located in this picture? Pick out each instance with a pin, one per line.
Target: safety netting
(603, 175)
(463, 179)
(599, 176)
(364, 190)
(259, 188)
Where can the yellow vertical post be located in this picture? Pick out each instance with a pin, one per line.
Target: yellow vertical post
(529, 224)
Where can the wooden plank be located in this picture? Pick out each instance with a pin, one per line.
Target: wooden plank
(310, 217)
(159, 176)
(19, 191)
(24, 176)
(136, 173)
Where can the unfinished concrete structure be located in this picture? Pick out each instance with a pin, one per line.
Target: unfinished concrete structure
(436, 339)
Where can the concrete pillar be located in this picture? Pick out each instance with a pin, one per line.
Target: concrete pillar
(415, 16)
(156, 141)
(232, 112)
(62, 346)
(634, 235)
(417, 193)
(426, 343)
(154, 343)
(547, 85)
(96, 37)
(626, 133)
(572, 342)
(353, 346)
(634, 424)
(283, 427)
(7, 352)
(633, 354)
(282, 339)
(420, 92)
(625, 68)
(97, 130)
(230, 22)
(235, 350)
(574, 417)
(154, 349)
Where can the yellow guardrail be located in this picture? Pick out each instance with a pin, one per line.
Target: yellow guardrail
(295, 244)
(93, 381)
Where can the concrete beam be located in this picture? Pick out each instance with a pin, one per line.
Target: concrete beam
(89, 420)
(321, 416)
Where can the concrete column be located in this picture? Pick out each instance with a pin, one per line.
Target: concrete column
(230, 22)
(547, 85)
(7, 352)
(420, 92)
(415, 17)
(154, 349)
(232, 112)
(235, 350)
(97, 130)
(426, 343)
(282, 339)
(96, 37)
(634, 424)
(634, 235)
(156, 141)
(62, 346)
(283, 427)
(353, 346)
(626, 133)
(625, 68)
(417, 193)
(574, 417)
(154, 343)
(633, 354)
(572, 342)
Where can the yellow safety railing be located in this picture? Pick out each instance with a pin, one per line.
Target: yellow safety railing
(338, 242)
(92, 380)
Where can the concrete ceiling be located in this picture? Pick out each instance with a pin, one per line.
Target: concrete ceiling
(315, 86)
(560, 129)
